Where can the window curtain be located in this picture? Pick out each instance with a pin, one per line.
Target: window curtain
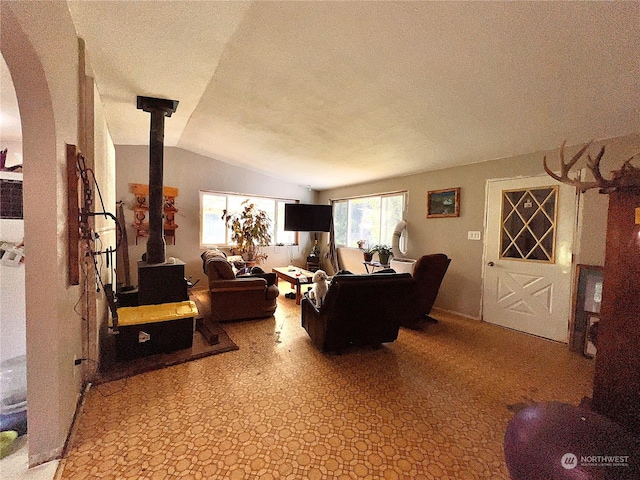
(332, 255)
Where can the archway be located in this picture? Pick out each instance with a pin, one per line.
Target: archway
(46, 430)
(13, 374)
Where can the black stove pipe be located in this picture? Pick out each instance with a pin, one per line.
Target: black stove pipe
(158, 108)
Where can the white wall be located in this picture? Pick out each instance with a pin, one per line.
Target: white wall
(13, 323)
(190, 173)
(40, 47)
(462, 286)
(45, 80)
(104, 160)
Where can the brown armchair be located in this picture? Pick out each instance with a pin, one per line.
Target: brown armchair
(428, 273)
(237, 298)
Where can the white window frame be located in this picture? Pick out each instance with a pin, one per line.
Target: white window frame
(275, 220)
(348, 200)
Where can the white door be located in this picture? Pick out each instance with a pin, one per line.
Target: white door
(529, 234)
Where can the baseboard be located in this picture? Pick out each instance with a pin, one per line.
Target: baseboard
(58, 453)
(46, 457)
(74, 424)
(456, 313)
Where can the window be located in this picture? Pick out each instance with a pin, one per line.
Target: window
(11, 199)
(372, 219)
(213, 231)
(529, 223)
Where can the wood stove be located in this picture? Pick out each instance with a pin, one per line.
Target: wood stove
(160, 282)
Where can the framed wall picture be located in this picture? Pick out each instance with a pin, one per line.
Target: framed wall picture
(443, 203)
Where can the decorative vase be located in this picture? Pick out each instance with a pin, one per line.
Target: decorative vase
(368, 256)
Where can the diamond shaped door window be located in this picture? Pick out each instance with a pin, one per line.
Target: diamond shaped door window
(528, 226)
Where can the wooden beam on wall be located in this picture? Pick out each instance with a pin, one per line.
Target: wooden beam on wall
(73, 216)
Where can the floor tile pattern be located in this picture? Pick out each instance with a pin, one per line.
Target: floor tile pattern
(432, 405)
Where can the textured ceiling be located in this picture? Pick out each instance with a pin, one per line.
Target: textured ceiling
(335, 93)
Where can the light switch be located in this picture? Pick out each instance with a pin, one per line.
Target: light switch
(473, 235)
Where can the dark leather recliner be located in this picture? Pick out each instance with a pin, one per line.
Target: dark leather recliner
(361, 310)
(428, 273)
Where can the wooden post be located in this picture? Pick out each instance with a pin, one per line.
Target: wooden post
(73, 217)
(616, 388)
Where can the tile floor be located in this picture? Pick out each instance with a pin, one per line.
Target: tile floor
(432, 405)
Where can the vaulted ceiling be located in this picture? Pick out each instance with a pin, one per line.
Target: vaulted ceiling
(335, 93)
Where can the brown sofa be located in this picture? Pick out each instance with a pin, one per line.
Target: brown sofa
(238, 298)
(361, 310)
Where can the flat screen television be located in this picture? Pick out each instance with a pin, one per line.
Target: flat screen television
(304, 217)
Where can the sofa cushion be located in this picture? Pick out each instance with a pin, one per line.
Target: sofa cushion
(385, 270)
(209, 254)
(215, 260)
(223, 268)
(269, 277)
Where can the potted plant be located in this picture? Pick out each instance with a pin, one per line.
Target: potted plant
(366, 251)
(384, 252)
(249, 230)
(368, 254)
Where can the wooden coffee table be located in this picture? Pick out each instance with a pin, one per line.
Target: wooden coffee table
(295, 276)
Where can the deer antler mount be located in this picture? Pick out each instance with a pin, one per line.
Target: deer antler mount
(627, 178)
